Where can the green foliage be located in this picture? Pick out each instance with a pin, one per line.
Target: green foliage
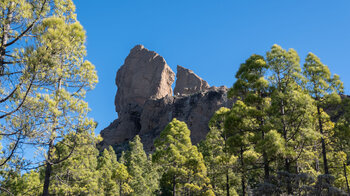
(324, 89)
(291, 112)
(248, 122)
(271, 142)
(144, 176)
(44, 77)
(16, 184)
(320, 81)
(182, 166)
(77, 174)
(113, 177)
(220, 162)
(250, 83)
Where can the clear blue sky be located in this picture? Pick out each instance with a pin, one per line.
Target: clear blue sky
(210, 37)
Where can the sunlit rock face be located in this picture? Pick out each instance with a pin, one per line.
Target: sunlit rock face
(188, 83)
(144, 75)
(145, 103)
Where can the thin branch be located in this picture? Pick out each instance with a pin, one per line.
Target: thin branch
(10, 95)
(25, 97)
(12, 152)
(28, 28)
(7, 191)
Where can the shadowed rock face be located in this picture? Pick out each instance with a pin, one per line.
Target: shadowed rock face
(196, 110)
(145, 103)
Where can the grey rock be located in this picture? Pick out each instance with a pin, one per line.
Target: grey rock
(195, 110)
(188, 83)
(144, 75)
(145, 103)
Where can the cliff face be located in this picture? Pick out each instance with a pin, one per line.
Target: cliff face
(145, 104)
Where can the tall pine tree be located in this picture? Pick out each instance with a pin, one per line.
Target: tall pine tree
(291, 111)
(219, 160)
(182, 167)
(142, 170)
(323, 88)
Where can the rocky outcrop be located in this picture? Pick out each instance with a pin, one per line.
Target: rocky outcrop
(196, 110)
(144, 75)
(188, 82)
(145, 103)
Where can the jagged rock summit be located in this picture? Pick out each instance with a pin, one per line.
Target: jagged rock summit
(145, 104)
(144, 75)
(188, 82)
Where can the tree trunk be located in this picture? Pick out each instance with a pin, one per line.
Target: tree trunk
(289, 186)
(266, 167)
(266, 161)
(265, 158)
(285, 137)
(120, 189)
(48, 169)
(5, 37)
(324, 152)
(227, 184)
(346, 178)
(243, 174)
(174, 186)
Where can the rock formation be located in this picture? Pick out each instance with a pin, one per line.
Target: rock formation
(145, 103)
(196, 110)
(188, 82)
(144, 75)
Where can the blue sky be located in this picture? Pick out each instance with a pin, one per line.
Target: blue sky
(210, 37)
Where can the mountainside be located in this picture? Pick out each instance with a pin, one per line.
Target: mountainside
(145, 103)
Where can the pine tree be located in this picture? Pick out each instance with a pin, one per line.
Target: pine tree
(76, 175)
(252, 88)
(44, 77)
(30, 51)
(113, 176)
(323, 88)
(240, 127)
(143, 172)
(291, 111)
(182, 167)
(219, 160)
(106, 165)
(15, 183)
(341, 143)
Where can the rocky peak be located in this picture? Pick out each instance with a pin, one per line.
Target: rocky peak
(145, 104)
(144, 75)
(188, 83)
